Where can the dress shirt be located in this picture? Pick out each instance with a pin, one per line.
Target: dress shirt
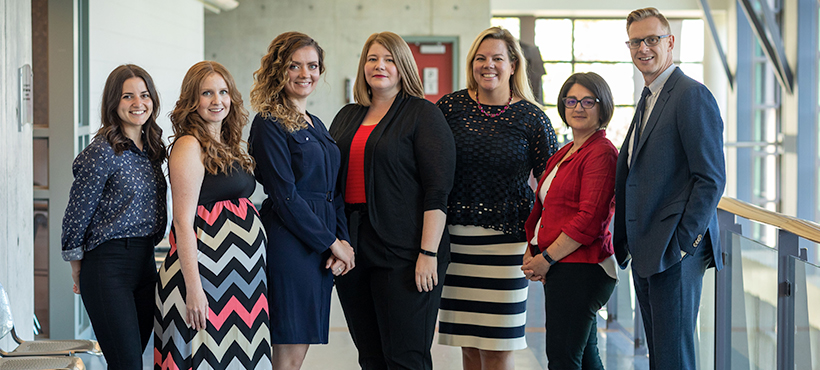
(113, 197)
(655, 87)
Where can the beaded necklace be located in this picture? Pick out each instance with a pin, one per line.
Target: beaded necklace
(491, 115)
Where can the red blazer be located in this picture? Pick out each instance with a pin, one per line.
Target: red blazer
(580, 201)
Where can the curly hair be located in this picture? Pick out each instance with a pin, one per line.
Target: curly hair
(111, 129)
(519, 83)
(219, 156)
(268, 96)
(405, 64)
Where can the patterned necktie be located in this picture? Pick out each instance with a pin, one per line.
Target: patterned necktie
(636, 133)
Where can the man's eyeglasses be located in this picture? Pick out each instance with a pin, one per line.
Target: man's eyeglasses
(586, 103)
(649, 41)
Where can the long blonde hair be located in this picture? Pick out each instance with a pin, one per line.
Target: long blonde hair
(519, 84)
(405, 64)
(268, 95)
(219, 156)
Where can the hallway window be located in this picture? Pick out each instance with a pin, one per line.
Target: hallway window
(570, 45)
(766, 129)
(512, 24)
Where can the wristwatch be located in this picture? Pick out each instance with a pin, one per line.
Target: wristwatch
(548, 258)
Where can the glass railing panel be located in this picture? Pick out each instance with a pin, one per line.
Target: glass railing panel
(626, 301)
(806, 314)
(705, 329)
(754, 304)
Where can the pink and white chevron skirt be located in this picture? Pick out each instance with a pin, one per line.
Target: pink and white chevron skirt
(231, 243)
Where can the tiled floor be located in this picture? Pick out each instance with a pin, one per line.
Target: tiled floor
(615, 347)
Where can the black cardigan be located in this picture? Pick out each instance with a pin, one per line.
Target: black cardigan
(409, 164)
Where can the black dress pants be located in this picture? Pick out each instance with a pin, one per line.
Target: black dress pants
(391, 322)
(117, 283)
(573, 294)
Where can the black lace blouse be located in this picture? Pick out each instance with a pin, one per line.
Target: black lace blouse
(494, 157)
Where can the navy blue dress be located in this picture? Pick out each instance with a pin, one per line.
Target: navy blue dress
(303, 216)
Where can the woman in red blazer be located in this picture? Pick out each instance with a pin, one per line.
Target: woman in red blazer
(570, 223)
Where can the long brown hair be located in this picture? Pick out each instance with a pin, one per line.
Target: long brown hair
(219, 157)
(111, 129)
(268, 95)
(405, 64)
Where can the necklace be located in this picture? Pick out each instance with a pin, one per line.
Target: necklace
(491, 115)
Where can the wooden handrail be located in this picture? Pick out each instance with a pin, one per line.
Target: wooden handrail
(803, 228)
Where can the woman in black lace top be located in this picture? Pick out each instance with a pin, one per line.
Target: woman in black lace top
(502, 137)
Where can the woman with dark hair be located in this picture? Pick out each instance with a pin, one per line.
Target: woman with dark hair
(115, 216)
(570, 223)
(212, 307)
(297, 162)
(398, 159)
(502, 138)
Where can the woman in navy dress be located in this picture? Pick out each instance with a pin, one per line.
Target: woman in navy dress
(297, 163)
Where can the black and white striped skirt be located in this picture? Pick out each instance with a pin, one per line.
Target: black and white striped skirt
(484, 301)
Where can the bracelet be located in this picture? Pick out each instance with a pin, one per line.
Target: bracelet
(428, 253)
(548, 258)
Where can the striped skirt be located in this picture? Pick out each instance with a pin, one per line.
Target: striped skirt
(484, 301)
(231, 254)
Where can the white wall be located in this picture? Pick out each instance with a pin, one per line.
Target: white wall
(16, 191)
(163, 37)
(240, 37)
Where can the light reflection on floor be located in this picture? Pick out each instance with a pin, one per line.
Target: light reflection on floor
(615, 347)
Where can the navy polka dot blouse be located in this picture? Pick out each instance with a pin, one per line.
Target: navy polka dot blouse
(112, 197)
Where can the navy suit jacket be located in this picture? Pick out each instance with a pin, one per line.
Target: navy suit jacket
(667, 201)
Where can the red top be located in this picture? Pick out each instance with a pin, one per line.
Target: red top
(354, 186)
(580, 201)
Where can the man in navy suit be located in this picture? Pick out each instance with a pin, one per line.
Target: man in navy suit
(669, 179)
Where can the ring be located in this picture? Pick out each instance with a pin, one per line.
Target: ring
(339, 269)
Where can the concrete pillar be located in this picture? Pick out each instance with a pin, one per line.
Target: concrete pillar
(16, 176)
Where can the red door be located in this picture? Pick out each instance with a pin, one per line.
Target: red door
(435, 62)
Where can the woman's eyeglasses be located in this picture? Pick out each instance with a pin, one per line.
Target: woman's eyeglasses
(586, 103)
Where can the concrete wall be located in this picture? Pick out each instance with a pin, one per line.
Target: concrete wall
(240, 37)
(16, 191)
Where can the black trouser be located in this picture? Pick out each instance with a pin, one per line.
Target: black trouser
(573, 294)
(391, 323)
(117, 282)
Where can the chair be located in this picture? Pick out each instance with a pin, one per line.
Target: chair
(42, 363)
(39, 347)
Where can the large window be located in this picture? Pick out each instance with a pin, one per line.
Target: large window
(570, 45)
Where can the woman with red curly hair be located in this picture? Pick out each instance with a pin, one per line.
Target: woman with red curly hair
(212, 306)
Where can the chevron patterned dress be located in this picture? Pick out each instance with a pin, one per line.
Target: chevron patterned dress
(231, 255)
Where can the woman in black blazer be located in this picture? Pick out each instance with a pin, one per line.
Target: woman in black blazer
(398, 161)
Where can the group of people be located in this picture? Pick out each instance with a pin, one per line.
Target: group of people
(419, 213)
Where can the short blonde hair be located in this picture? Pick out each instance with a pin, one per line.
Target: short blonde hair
(641, 14)
(406, 65)
(519, 84)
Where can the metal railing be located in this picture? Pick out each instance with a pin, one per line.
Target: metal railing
(762, 311)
